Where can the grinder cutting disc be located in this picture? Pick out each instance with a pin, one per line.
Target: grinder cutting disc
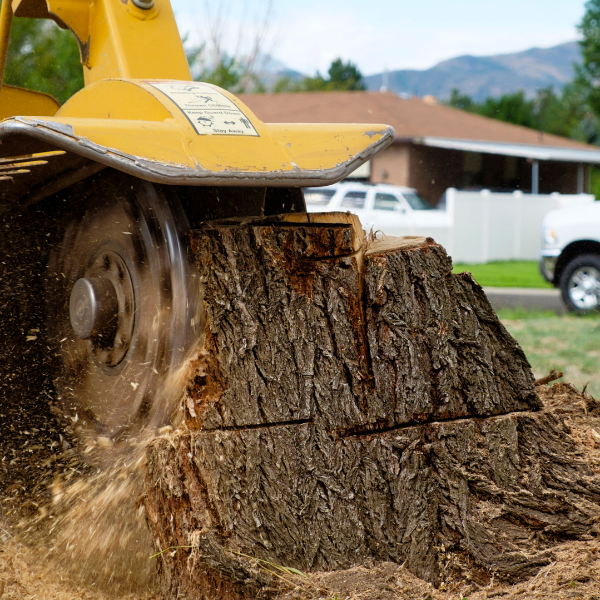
(123, 304)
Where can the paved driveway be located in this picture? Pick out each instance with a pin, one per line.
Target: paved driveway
(541, 299)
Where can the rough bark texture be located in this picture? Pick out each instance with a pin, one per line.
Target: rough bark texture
(436, 346)
(296, 332)
(350, 407)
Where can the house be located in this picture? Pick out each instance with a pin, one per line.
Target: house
(438, 147)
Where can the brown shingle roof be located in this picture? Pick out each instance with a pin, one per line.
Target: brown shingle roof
(410, 118)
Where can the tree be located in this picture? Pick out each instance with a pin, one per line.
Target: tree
(237, 70)
(511, 108)
(342, 77)
(462, 101)
(228, 72)
(43, 57)
(588, 73)
(285, 84)
(345, 410)
(345, 76)
(567, 114)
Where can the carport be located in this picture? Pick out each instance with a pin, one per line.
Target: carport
(533, 154)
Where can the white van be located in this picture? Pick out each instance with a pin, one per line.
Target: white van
(390, 209)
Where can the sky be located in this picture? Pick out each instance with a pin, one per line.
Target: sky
(306, 35)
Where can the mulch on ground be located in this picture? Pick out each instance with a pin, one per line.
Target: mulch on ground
(573, 573)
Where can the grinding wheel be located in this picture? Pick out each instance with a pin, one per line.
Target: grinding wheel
(124, 306)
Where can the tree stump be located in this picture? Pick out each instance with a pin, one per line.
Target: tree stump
(354, 401)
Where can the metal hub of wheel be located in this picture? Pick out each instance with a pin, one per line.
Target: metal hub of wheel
(584, 288)
(123, 305)
(102, 305)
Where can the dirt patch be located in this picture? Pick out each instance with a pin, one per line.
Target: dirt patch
(26, 572)
(385, 581)
(574, 573)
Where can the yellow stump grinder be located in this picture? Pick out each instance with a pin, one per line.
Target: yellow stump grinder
(381, 412)
(131, 162)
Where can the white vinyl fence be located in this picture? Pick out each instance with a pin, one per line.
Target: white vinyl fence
(486, 226)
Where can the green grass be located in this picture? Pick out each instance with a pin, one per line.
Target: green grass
(511, 273)
(566, 343)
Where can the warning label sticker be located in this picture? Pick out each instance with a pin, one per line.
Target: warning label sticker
(207, 109)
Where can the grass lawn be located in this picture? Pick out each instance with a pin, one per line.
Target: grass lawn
(512, 273)
(566, 343)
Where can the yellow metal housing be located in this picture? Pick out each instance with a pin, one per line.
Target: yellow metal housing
(117, 39)
(141, 113)
(15, 100)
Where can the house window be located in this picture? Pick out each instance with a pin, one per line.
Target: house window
(472, 169)
(473, 162)
(354, 199)
(510, 168)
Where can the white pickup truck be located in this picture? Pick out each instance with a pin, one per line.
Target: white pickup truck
(394, 210)
(570, 255)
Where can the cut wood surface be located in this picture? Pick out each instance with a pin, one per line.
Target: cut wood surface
(351, 406)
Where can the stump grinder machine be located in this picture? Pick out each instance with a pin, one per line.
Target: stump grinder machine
(124, 169)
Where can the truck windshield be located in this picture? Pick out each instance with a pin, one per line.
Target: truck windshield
(318, 197)
(354, 199)
(386, 202)
(417, 202)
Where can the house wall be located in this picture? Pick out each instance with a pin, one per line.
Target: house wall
(391, 165)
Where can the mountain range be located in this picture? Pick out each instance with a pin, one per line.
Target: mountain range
(484, 76)
(270, 70)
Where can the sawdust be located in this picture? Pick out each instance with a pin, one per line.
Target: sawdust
(72, 506)
(23, 577)
(89, 537)
(29, 571)
(574, 573)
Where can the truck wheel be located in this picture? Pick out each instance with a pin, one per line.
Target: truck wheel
(580, 283)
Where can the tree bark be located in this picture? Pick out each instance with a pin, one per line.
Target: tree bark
(354, 401)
